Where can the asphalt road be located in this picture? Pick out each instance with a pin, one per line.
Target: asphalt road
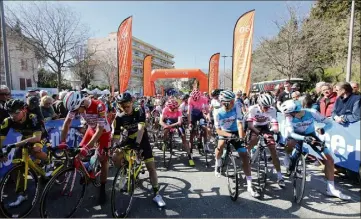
(195, 192)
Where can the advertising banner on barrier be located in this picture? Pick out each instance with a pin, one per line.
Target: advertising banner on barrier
(55, 126)
(343, 142)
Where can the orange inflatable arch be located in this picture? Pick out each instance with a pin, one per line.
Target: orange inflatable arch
(180, 73)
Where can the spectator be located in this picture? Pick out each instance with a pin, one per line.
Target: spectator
(355, 87)
(46, 106)
(328, 100)
(33, 103)
(295, 87)
(55, 97)
(43, 93)
(285, 95)
(347, 106)
(306, 101)
(318, 87)
(59, 107)
(5, 95)
(295, 95)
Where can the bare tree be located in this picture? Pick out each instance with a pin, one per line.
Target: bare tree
(108, 67)
(53, 29)
(285, 53)
(83, 65)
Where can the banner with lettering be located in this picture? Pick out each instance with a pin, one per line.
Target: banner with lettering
(54, 127)
(242, 52)
(343, 142)
(213, 72)
(124, 41)
(147, 71)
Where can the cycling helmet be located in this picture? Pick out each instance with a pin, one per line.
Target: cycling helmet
(239, 92)
(103, 98)
(226, 96)
(195, 94)
(185, 97)
(124, 97)
(290, 106)
(73, 100)
(172, 104)
(265, 100)
(215, 92)
(14, 105)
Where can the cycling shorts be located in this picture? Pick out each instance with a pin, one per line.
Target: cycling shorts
(325, 150)
(267, 134)
(147, 153)
(198, 117)
(180, 129)
(103, 141)
(237, 144)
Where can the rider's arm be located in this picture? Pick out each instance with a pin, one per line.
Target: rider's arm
(250, 119)
(239, 122)
(322, 119)
(273, 120)
(219, 131)
(161, 122)
(141, 126)
(190, 107)
(4, 130)
(36, 127)
(116, 130)
(66, 126)
(290, 130)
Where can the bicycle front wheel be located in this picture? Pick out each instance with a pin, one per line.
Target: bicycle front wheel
(299, 179)
(262, 170)
(69, 194)
(122, 193)
(232, 177)
(12, 186)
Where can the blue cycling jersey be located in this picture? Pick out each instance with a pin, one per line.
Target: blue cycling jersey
(298, 127)
(227, 121)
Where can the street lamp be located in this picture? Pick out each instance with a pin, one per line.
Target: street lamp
(224, 69)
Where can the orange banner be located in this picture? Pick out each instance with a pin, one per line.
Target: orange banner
(213, 72)
(124, 40)
(147, 70)
(242, 52)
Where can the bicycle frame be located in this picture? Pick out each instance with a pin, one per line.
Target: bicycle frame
(29, 163)
(131, 156)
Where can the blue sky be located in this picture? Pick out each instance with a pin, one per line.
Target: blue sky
(191, 30)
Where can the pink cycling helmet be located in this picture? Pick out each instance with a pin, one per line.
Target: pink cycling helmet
(195, 94)
(172, 104)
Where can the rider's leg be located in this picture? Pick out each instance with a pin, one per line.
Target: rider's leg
(242, 151)
(218, 154)
(271, 143)
(252, 141)
(104, 144)
(205, 135)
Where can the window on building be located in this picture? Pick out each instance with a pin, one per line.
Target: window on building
(24, 64)
(28, 82)
(22, 84)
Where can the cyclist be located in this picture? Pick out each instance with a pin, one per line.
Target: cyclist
(27, 124)
(133, 121)
(171, 117)
(259, 118)
(197, 107)
(228, 123)
(300, 128)
(213, 107)
(184, 108)
(94, 113)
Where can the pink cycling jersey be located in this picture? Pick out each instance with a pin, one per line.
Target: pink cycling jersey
(196, 107)
(168, 114)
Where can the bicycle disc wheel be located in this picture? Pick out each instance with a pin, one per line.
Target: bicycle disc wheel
(11, 185)
(299, 179)
(262, 170)
(232, 177)
(69, 195)
(122, 193)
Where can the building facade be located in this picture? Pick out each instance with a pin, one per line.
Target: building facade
(105, 52)
(23, 64)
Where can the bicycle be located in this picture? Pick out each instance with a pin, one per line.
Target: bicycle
(27, 169)
(125, 180)
(197, 140)
(69, 174)
(229, 163)
(169, 145)
(260, 158)
(298, 168)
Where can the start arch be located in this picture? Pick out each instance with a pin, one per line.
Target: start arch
(180, 73)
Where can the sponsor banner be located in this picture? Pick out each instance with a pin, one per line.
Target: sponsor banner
(55, 131)
(124, 40)
(343, 143)
(147, 71)
(213, 73)
(242, 52)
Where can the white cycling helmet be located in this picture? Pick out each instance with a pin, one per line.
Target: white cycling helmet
(290, 106)
(73, 100)
(265, 100)
(226, 96)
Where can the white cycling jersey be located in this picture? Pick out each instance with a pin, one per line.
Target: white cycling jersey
(260, 118)
(184, 108)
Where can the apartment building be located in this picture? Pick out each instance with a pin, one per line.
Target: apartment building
(23, 65)
(106, 51)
